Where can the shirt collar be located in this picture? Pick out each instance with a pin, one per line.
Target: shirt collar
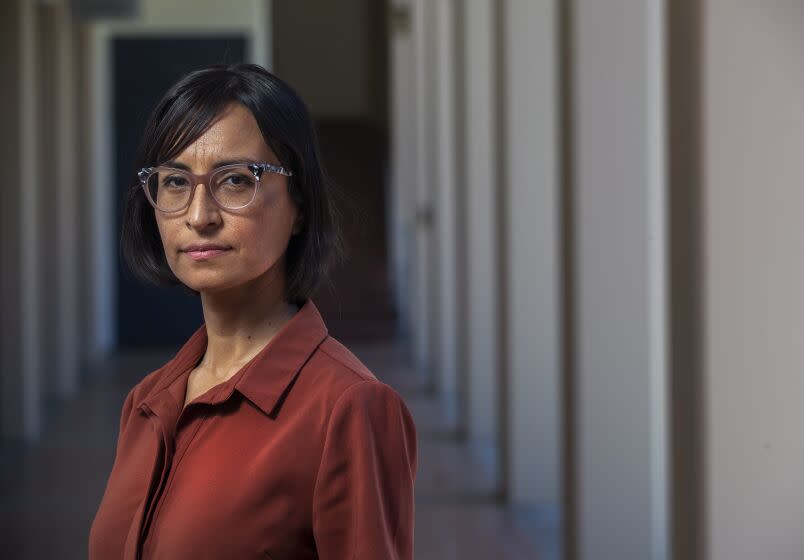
(265, 378)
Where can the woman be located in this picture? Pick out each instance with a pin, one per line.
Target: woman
(263, 437)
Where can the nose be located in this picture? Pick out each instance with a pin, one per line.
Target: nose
(203, 211)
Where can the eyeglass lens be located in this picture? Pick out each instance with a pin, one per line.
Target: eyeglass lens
(232, 188)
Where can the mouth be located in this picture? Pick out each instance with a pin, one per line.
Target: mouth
(204, 252)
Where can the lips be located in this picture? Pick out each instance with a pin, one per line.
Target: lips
(201, 247)
(204, 251)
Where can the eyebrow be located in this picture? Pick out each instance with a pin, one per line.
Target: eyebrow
(220, 163)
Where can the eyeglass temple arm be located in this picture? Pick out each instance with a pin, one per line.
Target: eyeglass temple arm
(276, 169)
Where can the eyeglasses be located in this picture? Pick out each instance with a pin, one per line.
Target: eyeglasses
(232, 186)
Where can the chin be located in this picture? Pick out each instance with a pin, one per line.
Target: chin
(210, 284)
(215, 281)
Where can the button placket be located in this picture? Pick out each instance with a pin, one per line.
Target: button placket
(133, 547)
(154, 498)
(180, 445)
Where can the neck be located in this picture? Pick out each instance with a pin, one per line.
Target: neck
(240, 321)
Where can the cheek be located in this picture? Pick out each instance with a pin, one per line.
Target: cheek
(268, 241)
(276, 222)
(165, 235)
(160, 227)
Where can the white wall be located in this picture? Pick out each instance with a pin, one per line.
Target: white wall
(196, 12)
(753, 92)
(251, 17)
(620, 320)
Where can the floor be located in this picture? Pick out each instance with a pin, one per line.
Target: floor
(49, 493)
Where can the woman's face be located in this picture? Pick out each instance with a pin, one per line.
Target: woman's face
(254, 238)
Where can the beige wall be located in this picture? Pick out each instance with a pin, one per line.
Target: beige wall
(197, 12)
(753, 103)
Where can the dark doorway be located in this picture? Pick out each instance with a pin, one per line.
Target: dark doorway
(337, 58)
(143, 69)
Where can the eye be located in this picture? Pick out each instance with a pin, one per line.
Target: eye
(174, 181)
(236, 180)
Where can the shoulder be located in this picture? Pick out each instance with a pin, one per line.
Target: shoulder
(342, 377)
(361, 410)
(335, 364)
(341, 357)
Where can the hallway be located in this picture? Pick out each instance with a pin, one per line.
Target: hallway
(49, 492)
(583, 218)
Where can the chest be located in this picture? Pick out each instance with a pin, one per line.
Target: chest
(230, 482)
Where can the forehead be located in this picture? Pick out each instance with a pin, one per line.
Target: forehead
(234, 134)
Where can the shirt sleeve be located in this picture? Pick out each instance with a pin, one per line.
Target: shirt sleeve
(363, 504)
(125, 413)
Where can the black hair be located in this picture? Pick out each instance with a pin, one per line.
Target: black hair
(183, 114)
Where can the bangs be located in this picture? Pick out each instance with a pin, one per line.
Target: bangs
(182, 119)
(188, 111)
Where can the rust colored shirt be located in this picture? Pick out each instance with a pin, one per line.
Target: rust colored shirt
(302, 454)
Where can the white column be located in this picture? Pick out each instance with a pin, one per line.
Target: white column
(68, 217)
(101, 212)
(261, 47)
(31, 227)
(446, 206)
(753, 273)
(10, 227)
(422, 301)
(620, 321)
(533, 290)
(484, 294)
(403, 141)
